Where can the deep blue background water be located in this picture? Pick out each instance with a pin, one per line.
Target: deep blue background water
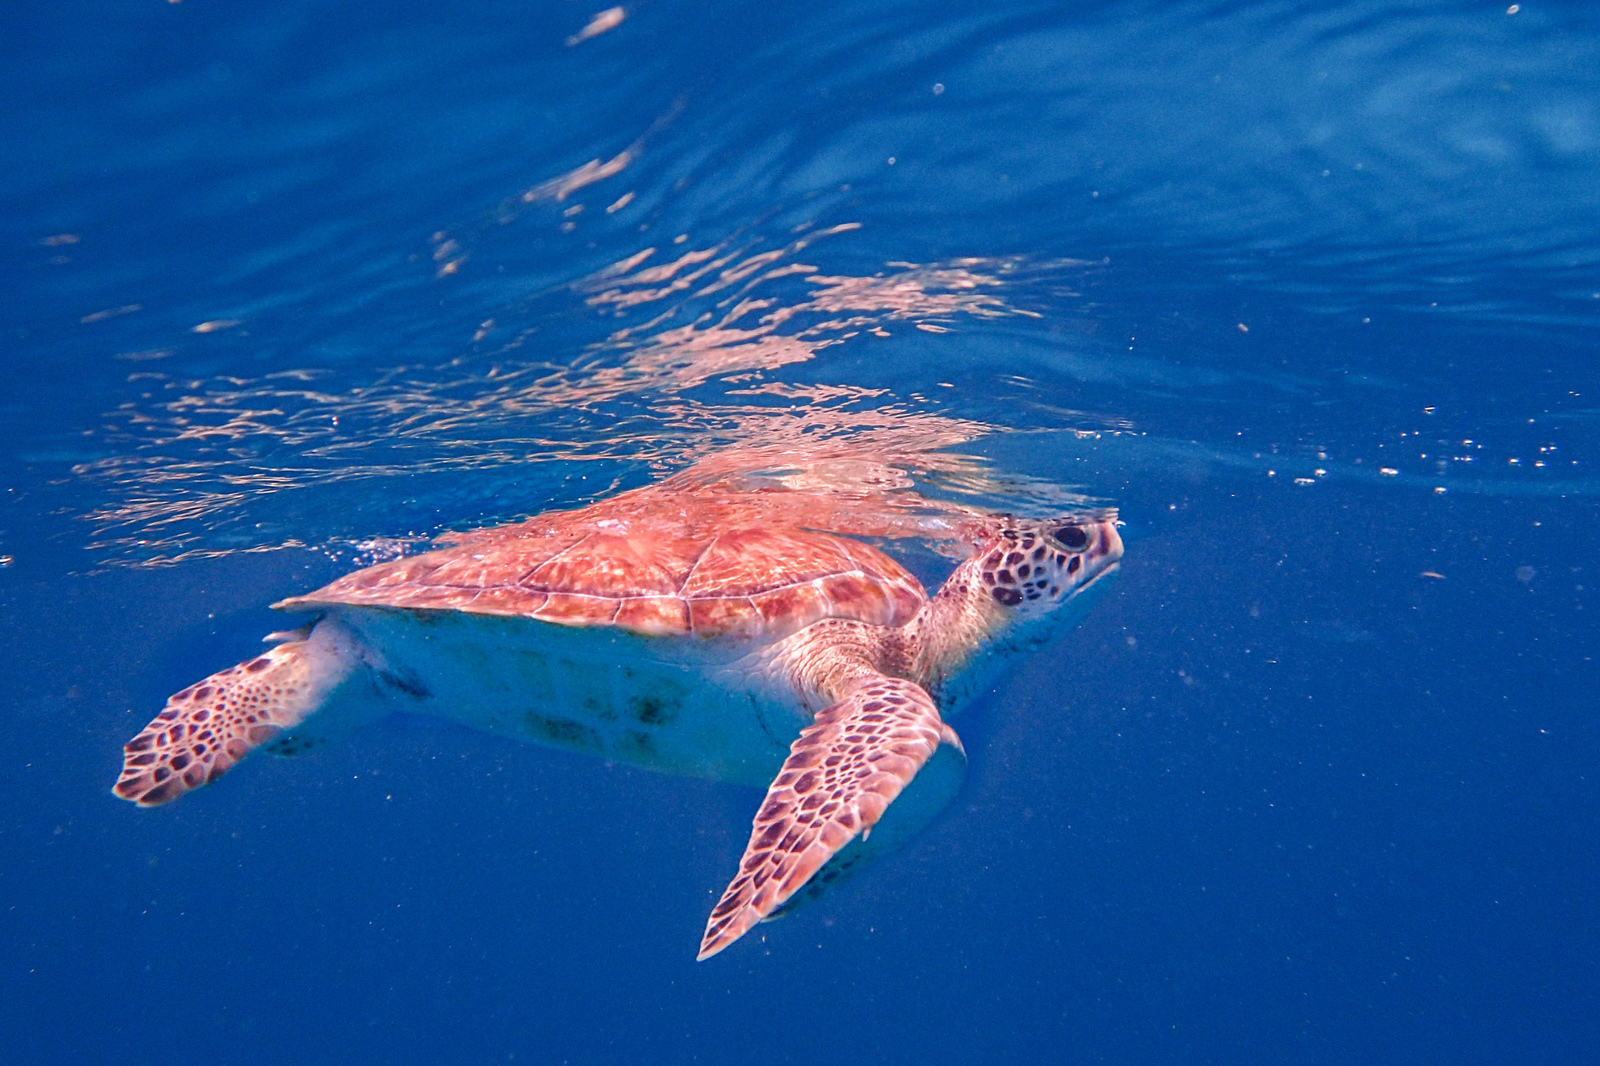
(1283, 797)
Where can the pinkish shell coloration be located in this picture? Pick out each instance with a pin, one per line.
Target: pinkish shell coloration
(654, 577)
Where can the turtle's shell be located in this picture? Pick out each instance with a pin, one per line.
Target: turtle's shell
(649, 577)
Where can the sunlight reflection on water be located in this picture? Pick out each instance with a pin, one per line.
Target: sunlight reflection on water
(197, 456)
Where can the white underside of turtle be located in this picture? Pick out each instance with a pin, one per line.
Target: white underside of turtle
(802, 661)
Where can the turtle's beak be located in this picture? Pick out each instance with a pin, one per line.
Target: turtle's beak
(1103, 554)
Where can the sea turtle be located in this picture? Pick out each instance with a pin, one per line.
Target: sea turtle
(699, 635)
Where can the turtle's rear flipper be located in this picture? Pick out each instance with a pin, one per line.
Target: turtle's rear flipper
(209, 726)
(841, 775)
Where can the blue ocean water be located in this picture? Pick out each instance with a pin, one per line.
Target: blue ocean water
(1309, 292)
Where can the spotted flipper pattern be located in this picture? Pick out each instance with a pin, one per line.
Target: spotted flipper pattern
(841, 775)
(211, 725)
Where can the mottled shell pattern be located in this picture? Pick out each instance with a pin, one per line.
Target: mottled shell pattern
(650, 574)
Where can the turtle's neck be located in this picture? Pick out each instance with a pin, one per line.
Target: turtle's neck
(828, 658)
(951, 627)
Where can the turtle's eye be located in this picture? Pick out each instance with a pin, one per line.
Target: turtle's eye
(1073, 538)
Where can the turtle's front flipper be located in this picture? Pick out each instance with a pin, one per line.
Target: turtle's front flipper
(209, 726)
(841, 775)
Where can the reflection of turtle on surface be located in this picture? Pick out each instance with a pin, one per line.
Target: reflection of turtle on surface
(698, 633)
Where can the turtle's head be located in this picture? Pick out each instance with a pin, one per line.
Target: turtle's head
(1031, 568)
(1028, 581)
